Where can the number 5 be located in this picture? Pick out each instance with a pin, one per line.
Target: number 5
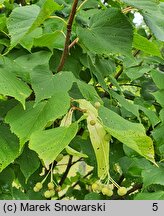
(155, 207)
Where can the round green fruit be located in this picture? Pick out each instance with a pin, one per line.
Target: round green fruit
(59, 188)
(95, 187)
(107, 191)
(97, 105)
(122, 191)
(47, 194)
(50, 185)
(104, 190)
(36, 189)
(110, 186)
(92, 122)
(39, 185)
(2, 6)
(52, 192)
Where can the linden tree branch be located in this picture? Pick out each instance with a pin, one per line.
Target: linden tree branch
(68, 35)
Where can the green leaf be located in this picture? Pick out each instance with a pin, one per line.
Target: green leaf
(24, 20)
(158, 135)
(23, 65)
(6, 105)
(109, 31)
(147, 5)
(159, 95)
(154, 175)
(28, 40)
(17, 194)
(10, 65)
(25, 164)
(133, 108)
(162, 115)
(84, 145)
(47, 8)
(29, 61)
(54, 24)
(104, 66)
(158, 78)
(133, 165)
(7, 177)
(51, 40)
(154, 19)
(6, 196)
(2, 22)
(24, 122)
(72, 62)
(88, 91)
(45, 84)
(93, 196)
(136, 72)
(73, 152)
(9, 147)
(101, 68)
(159, 195)
(151, 115)
(49, 143)
(161, 152)
(20, 22)
(10, 85)
(153, 13)
(148, 110)
(4, 41)
(143, 44)
(131, 134)
(89, 4)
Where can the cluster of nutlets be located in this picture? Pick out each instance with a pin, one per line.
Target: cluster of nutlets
(50, 192)
(107, 189)
(51, 187)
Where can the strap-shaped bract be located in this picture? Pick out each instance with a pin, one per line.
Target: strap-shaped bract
(98, 137)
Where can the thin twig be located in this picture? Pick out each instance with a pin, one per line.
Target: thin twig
(73, 43)
(80, 159)
(128, 9)
(68, 35)
(79, 109)
(121, 179)
(134, 188)
(66, 171)
(118, 74)
(76, 183)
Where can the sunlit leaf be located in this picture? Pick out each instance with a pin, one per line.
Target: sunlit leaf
(131, 134)
(24, 122)
(49, 143)
(9, 147)
(108, 32)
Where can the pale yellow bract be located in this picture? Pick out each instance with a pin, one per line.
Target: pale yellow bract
(97, 136)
